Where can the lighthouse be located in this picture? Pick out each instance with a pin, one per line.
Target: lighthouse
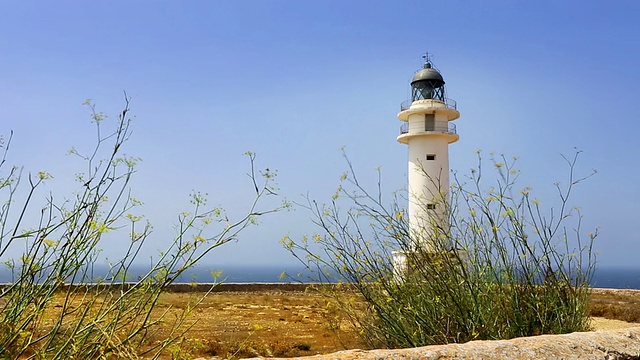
(427, 131)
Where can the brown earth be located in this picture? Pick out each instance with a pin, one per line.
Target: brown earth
(237, 324)
(263, 323)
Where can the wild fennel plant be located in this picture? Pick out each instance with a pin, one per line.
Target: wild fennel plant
(42, 316)
(499, 267)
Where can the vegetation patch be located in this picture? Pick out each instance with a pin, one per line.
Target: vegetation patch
(496, 265)
(47, 244)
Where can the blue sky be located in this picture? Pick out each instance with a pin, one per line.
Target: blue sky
(294, 81)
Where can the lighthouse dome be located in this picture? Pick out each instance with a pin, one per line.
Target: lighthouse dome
(427, 83)
(428, 74)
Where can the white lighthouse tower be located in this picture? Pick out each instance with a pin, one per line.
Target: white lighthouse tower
(428, 132)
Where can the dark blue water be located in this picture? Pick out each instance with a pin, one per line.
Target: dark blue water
(603, 277)
(628, 278)
(203, 274)
(620, 278)
(616, 278)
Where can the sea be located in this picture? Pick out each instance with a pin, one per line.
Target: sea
(614, 278)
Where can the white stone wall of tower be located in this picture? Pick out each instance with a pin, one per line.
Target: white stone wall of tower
(428, 184)
(427, 133)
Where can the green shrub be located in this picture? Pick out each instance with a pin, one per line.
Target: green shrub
(499, 266)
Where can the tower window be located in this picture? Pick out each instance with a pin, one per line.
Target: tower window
(431, 156)
(431, 206)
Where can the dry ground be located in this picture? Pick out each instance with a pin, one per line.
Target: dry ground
(247, 324)
(295, 323)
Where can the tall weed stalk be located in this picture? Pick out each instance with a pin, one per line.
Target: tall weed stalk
(501, 266)
(55, 307)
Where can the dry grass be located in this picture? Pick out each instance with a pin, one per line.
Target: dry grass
(616, 304)
(292, 323)
(249, 324)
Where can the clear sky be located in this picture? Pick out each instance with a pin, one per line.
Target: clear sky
(294, 81)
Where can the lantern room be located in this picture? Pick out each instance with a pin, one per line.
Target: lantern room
(427, 84)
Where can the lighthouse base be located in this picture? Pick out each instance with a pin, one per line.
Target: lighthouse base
(408, 264)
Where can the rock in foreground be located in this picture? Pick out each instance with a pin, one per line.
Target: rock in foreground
(622, 344)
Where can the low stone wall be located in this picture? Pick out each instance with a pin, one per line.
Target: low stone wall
(233, 287)
(622, 344)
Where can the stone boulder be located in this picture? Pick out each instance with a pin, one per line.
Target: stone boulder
(621, 344)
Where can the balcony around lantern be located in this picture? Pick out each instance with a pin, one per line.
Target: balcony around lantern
(448, 131)
(449, 103)
(447, 108)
